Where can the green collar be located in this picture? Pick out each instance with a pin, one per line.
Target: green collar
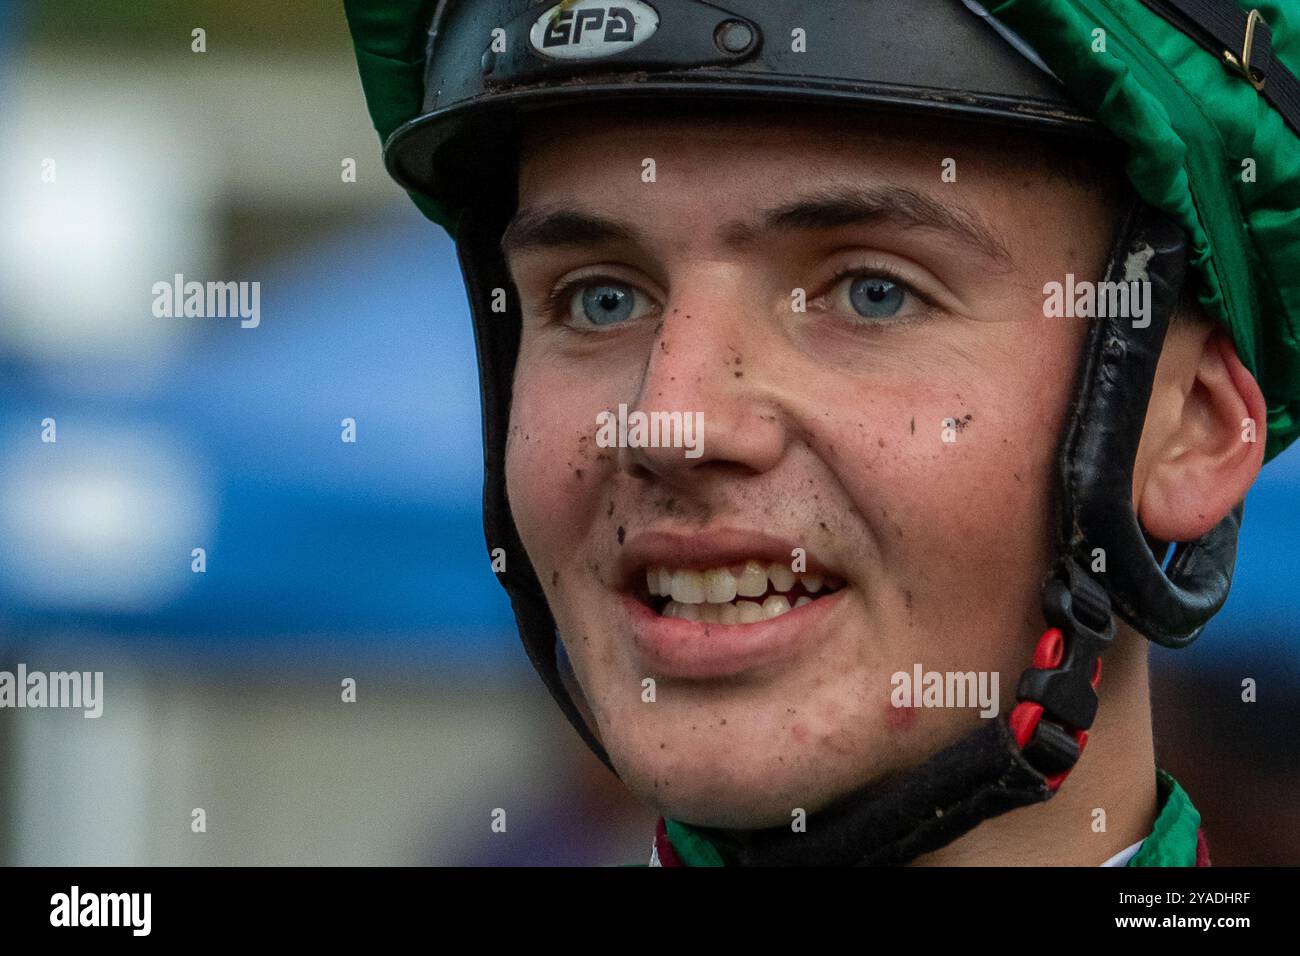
(1172, 841)
(1173, 838)
(692, 849)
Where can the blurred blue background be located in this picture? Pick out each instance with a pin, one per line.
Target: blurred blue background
(327, 559)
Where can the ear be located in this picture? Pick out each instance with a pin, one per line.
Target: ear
(1203, 441)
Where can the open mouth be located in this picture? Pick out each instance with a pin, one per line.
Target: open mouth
(742, 593)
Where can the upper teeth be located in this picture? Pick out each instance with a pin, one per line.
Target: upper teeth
(722, 585)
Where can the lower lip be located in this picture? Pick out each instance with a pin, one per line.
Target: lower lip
(694, 650)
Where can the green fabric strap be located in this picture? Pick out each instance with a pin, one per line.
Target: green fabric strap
(1173, 838)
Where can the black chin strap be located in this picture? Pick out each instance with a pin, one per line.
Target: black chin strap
(981, 776)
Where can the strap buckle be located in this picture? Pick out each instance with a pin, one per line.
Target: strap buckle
(1057, 695)
(1243, 65)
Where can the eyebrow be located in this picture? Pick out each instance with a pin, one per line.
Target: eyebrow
(824, 209)
(562, 225)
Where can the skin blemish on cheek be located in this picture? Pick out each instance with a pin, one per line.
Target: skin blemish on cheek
(799, 732)
(555, 578)
(621, 534)
(913, 424)
(899, 718)
(610, 512)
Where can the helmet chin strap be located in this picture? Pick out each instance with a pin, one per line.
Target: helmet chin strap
(1007, 762)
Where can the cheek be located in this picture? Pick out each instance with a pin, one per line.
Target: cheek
(960, 512)
(552, 461)
(533, 447)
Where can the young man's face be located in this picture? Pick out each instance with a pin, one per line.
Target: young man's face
(897, 420)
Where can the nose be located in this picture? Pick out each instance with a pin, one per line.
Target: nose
(707, 362)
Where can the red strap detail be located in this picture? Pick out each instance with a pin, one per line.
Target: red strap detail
(1202, 851)
(1024, 721)
(1050, 649)
(667, 855)
(1025, 716)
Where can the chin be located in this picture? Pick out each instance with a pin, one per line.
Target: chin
(726, 784)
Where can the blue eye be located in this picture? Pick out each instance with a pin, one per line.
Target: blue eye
(606, 304)
(875, 297)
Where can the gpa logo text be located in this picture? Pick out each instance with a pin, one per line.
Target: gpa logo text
(591, 29)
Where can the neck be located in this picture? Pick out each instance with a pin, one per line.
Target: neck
(1107, 803)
